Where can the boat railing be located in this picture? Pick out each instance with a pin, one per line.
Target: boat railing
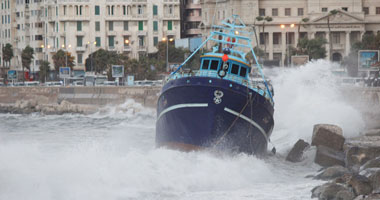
(257, 86)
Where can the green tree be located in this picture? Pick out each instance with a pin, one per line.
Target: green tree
(44, 71)
(59, 60)
(101, 60)
(314, 48)
(26, 59)
(331, 14)
(7, 53)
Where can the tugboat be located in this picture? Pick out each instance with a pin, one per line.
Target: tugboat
(220, 105)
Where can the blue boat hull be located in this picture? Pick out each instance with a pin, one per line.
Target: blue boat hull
(204, 112)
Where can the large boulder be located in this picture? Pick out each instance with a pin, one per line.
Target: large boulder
(327, 191)
(328, 135)
(374, 163)
(368, 197)
(345, 195)
(361, 150)
(295, 155)
(375, 181)
(332, 172)
(360, 184)
(372, 132)
(328, 157)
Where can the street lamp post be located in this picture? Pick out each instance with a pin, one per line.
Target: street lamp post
(167, 51)
(288, 41)
(89, 44)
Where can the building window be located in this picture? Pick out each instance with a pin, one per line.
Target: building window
(262, 12)
(287, 11)
(170, 25)
(110, 25)
(97, 10)
(80, 10)
(56, 11)
(300, 11)
(80, 58)
(111, 41)
(336, 38)
(154, 9)
(276, 38)
(79, 41)
(274, 12)
(141, 25)
(345, 9)
(155, 41)
(125, 25)
(112, 8)
(139, 10)
(141, 41)
(64, 10)
(324, 10)
(124, 10)
(170, 9)
(377, 10)
(366, 10)
(97, 26)
(76, 8)
(155, 25)
(79, 26)
(97, 40)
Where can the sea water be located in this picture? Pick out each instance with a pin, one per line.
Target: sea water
(112, 155)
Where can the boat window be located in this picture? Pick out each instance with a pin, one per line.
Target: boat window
(205, 64)
(214, 65)
(235, 69)
(243, 71)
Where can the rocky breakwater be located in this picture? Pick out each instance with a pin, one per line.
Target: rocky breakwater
(351, 166)
(33, 105)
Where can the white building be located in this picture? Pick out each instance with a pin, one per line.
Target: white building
(83, 26)
(353, 20)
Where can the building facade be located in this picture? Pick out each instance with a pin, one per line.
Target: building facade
(81, 27)
(191, 18)
(353, 19)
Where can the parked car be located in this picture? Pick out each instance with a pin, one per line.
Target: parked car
(109, 83)
(54, 84)
(78, 83)
(32, 83)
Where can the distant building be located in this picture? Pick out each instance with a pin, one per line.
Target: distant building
(354, 19)
(191, 18)
(82, 26)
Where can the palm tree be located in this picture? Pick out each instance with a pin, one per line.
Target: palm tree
(7, 53)
(26, 59)
(332, 13)
(304, 20)
(264, 19)
(60, 59)
(44, 70)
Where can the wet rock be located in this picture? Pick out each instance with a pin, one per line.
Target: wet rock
(295, 155)
(372, 132)
(328, 157)
(343, 179)
(327, 191)
(368, 197)
(329, 136)
(332, 172)
(360, 184)
(375, 181)
(345, 195)
(361, 150)
(374, 163)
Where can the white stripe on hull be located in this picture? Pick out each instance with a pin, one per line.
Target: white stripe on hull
(187, 105)
(248, 120)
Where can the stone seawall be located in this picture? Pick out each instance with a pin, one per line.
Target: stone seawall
(147, 96)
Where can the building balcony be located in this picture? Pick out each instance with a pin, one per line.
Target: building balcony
(171, 17)
(126, 33)
(141, 16)
(193, 18)
(127, 48)
(141, 48)
(52, 50)
(80, 33)
(80, 48)
(338, 46)
(143, 33)
(111, 48)
(170, 33)
(277, 47)
(193, 31)
(193, 6)
(111, 33)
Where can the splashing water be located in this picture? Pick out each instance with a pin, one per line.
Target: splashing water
(111, 154)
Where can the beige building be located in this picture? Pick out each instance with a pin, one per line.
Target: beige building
(353, 20)
(83, 26)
